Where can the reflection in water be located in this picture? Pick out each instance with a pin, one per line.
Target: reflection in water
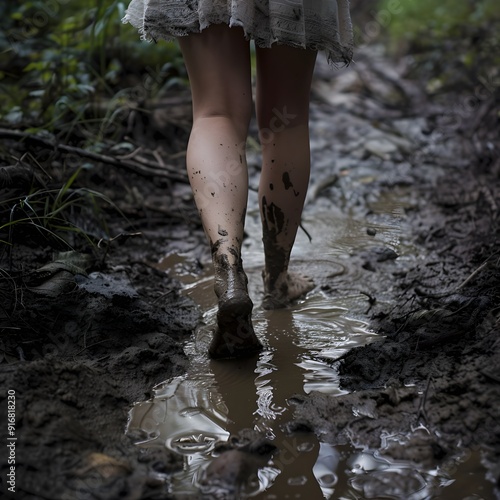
(195, 414)
(191, 414)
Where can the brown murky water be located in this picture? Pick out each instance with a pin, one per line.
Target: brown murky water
(192, 413)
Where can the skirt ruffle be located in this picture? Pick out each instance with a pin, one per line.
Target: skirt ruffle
(323, 25)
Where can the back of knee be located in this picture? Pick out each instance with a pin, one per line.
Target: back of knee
(279, 120)
(238, 116)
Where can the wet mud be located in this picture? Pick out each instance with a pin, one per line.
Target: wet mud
(399, 400)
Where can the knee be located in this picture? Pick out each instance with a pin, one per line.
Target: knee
(237, 114)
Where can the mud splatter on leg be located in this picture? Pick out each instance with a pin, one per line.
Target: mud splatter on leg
(283, 119)
(280, 286)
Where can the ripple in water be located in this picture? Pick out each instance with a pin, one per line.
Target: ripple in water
(192, 414)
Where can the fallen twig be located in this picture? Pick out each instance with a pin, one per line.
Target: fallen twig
(421, 409)
(144, 168)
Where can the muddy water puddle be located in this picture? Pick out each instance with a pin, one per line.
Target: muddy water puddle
(193, 415)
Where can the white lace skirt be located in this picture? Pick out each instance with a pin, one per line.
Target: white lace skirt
(314, 24)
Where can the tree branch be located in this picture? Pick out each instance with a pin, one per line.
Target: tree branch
(144, 168)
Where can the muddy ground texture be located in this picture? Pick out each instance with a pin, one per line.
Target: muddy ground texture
(87, 334)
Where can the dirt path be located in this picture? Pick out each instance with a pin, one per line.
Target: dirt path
(75, 363)
(432, 385)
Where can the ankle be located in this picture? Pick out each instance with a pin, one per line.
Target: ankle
(273, 279)
(229, 276)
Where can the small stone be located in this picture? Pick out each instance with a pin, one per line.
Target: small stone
(381, 147)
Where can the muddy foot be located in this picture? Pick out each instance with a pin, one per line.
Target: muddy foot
(286, 289)
(234, 335)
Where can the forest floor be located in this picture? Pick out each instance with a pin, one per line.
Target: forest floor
(79, 348)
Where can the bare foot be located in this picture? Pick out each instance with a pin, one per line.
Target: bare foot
(287, 288)
(234, 335)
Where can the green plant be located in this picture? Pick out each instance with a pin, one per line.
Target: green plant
(455, 42)
(59, 216)
(59, 57)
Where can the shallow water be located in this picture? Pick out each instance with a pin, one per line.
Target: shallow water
(193, 413)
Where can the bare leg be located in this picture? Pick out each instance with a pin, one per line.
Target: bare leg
(283, 84)
(218, 64)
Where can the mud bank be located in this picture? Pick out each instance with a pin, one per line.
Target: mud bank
(82, 359)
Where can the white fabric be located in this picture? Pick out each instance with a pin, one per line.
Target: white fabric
(314, 24)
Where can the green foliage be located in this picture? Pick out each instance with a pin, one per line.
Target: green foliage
(59, 56)
(72, 71)
(427, 22)
(455, 42)
(58, 216)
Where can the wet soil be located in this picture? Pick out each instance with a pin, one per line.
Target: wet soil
(78, 359)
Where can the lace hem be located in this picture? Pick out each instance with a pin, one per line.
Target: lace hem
(323, 25)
